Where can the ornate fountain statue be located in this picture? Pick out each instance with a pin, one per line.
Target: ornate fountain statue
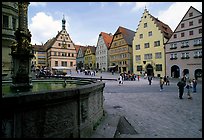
(21, 52)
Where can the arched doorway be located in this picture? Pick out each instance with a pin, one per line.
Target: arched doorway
(198, 73)
(175, 71)
(186, 72)
(149, 70)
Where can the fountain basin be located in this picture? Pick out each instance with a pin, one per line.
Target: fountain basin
(55, 113)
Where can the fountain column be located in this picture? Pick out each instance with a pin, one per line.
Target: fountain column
(21, 52)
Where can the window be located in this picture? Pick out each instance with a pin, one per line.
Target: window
(190, 14)
(182, 34)
(59, 44)
(68, 45)
(185, 55)
(197, 42)
(184, 44)
(146, 45)
(147, 56)
(150, 33)
(156, 43)
(173, 46)
(145, 25)
(55, 53)
(173, 56)
(191, 23)
(59, 53)
(14, 23)
(158, 55)
(190, 32)
(182, 25)
(198, 54)
(64, 63)
(5, 21)
(72, 55)
(56, 63)
(137, 58)
(139, 68)
(200, 20)
(71, 64)
(141, 36)
(175, 35)
(158, 67)
(200, 31)
(137, 47)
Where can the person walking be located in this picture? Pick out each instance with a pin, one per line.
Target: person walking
(189, 89)
(167, 80)
(138, 77)
(150, 80)
(181, 84)
(194, 85)
(161, 82)
(120, 79)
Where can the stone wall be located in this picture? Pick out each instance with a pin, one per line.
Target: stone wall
(70, 113)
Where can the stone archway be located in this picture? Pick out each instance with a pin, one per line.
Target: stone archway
(175, 71)
(149, 69)
(186, 72)
(198, 73)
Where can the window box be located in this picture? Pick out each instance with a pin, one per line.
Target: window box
(173, 48)
(186, 46)
(198, 44)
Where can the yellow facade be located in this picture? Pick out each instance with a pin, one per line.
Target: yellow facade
(148, 47)
(90, 58)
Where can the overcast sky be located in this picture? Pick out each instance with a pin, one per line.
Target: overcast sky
(85, 20)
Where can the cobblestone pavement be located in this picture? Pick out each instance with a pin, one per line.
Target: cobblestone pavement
(153, 114)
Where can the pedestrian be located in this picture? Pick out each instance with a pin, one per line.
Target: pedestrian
(120, 79)
(181, 84)
(150, 80)
(189, 89)
(167, 80)
(161, 82)
(138, 77)
(194, 85)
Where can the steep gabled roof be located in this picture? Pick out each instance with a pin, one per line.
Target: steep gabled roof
(165, 29)
(92, 48)
(49, 43)
(39, 48)
(107, 38)
(79, 47)
(127, 34)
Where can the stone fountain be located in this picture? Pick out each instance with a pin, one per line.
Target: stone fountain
(63, 112)
(21, 52)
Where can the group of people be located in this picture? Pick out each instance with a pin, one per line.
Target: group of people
(127, 76)
(189, 84)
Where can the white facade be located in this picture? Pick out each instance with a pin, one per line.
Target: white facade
(102, 59)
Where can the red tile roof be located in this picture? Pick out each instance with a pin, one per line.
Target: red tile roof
(107, 38)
